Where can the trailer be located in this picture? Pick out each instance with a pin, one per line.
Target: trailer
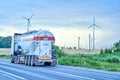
(33, 48)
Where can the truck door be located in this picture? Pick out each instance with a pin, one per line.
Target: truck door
(45, 50)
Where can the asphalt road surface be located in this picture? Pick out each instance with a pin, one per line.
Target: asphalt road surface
(10, 71)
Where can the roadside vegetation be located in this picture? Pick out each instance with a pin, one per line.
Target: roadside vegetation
(109, 62)
(5, 56)
(108, 59)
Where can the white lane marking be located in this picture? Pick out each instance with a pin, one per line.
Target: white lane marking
(61, 74)
(9, 76)
(13, 75)
(7, 62)
(66, 74)
(29, 73)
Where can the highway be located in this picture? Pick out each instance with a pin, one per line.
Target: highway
(10, 71)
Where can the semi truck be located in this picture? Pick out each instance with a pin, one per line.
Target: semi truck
(33, 48)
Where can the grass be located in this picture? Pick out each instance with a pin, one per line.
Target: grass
(109, 62)
(5, 53)
(5, 56)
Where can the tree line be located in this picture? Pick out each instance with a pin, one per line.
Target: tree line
(5, 42)
(115, 48)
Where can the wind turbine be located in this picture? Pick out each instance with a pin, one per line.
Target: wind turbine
(28, 23)
(94, 26)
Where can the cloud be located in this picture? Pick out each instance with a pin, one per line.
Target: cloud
(8, 30)
(67, 19)
(69, 36)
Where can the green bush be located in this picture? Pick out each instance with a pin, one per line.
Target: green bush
(113, 59)
(58, 51)
(108, 51)
(106, 60)
(85, 55)
(110, 62)
(117, 46)
(64, 60)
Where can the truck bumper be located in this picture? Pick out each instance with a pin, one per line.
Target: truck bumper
(42, 62)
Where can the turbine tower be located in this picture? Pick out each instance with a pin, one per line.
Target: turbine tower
(28, 23)
(94, 26)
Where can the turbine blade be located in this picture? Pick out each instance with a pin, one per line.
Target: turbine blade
(31, 16)
(97, 26)
(90, 26)
(25, 18)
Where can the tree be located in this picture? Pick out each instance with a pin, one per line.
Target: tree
(101, 51)
(6, 42)
(60, 53)
(117, 46)
(1, 41)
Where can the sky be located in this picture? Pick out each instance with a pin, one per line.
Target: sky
(66, 19)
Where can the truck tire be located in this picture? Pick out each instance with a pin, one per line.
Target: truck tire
(11, 59)
(54, 63)
(18, 60)
(26, 62)
(29, 60)
(32, 61)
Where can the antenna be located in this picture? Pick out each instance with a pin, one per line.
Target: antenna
(93, 26)
(28, 23)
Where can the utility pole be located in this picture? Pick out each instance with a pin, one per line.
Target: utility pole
(78, 42)
(89, 42)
